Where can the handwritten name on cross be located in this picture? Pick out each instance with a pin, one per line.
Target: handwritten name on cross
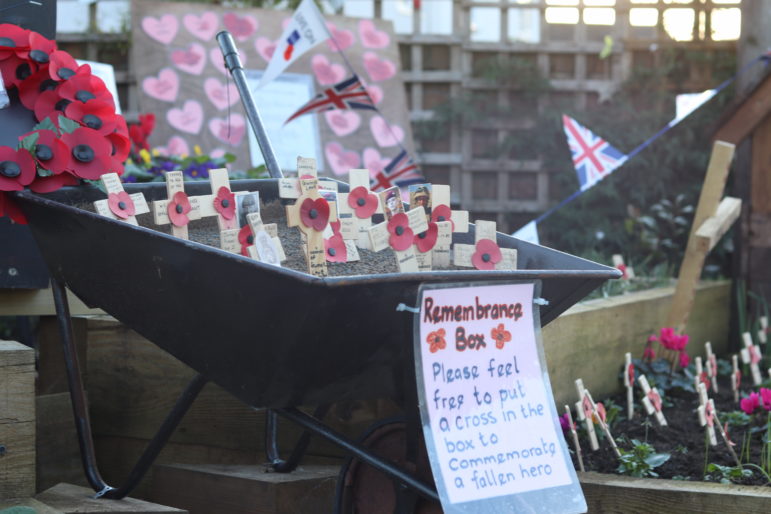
(751, 355)
(736, 377)
(485, 254)
(706, 413)
(120, 205)
(584, 412)
(574, 437)
(629, 383)
(339, 245)
(361, 204)
(441, 213)
(711, 366)
(289, 188)
(311, 214)
(178, 209)
(652, 400)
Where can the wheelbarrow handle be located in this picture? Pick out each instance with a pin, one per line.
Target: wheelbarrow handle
(233, 64)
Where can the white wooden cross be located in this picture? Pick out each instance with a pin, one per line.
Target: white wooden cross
(629, 383)
(267, 246)
(482, 254)
(618, 262)
(763, 329)
(599, 415)
(574, 437)
(178, 209)
(706, 413)
(585, 412)
(441, 214)
(120, 205)
(736, 377)
(711, 366)
(357, 207)
(701, 375)
(398, 232)
(751, 355)
(336, 240)
(220, 203)
(311, 214)
(289, 188)
(652, 400)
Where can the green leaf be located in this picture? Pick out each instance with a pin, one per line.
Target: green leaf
(46, 124)
(657, 459)
(67, 125)
(29, 142)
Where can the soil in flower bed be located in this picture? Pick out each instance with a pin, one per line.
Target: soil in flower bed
(683, 438)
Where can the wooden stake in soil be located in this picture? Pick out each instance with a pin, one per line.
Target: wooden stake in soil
(485, 254)
(652, 400)
(576, 443)
(707, 414)
(120, 205)
(178, 209)
(599, 415)
(701, 375)
(736, 377)
(441, 213)
(751, 355)
(584, 413)
(723, 434)
(711, 366)
(629, 383)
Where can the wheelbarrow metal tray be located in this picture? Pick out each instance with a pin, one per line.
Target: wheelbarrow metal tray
(273, 337)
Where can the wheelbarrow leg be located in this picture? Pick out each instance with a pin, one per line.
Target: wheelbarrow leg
(83, 423)
(271, 442)
(406, 498)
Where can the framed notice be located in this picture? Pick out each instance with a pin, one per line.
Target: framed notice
(491, 428)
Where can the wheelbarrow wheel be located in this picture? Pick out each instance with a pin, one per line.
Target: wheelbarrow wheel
(361, 489)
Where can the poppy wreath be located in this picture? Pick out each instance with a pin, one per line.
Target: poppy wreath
(78, 135)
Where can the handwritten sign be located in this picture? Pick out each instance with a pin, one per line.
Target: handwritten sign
(488, 414)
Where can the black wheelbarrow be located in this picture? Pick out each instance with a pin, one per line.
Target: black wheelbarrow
(274, 338)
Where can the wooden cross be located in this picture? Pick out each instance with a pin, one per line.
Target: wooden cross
(711, 366)
(485, 253)
(358, 206)
(221, 203)
(398, 230)
(574, 437)
(340, 245)
(701, 375)
(736, 377)
(751, 355)
(120, 205)
(311, 214)
(629, 383)
(652, 400)
(177, 209)
(267, 246)
(618, 262)
(763, 329)
(706, 413)
(289, 188)
(441, 213)
(599, 415)
(585, 412)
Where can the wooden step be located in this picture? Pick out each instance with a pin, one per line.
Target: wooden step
(70, 499)
(245, 489)
(26, 505)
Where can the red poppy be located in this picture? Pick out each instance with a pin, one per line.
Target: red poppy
(90, 153)
(84, 88)
(401, 233)
(121, 146)
(15, 70)
(442, 213)
(178, 207)
(96, 115)
(335, 225)
(31, 89)
(314, 213)
(40, 48)
(62, 65)
(335, 250)
(225, 203)
(623, 270)
(51, 153)
(121, 204)
(425, 241)
(363, 203)
(500, 335)
(9, 208)
(50, 104)
(487, 254)
(246, 238)
(436, 340)
(601, 413)
(17, 169)
(52, 183)
(13, 39)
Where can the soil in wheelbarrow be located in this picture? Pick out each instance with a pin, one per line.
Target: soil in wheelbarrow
(683, 438)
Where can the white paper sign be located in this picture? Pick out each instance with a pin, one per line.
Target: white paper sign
(489, 419)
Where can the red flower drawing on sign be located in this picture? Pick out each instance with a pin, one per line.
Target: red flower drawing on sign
(401, 233)
(436, 340)
(363, 203)
(314, 213)
(500, 335)
(225, 203)
(178, 207)
(121, 204)
(487, 254)
(425, 241)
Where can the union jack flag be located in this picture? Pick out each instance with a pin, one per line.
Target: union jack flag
(593, 157)
(348, 94)
(401, 171)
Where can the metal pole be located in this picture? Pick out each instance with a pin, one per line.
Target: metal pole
(233, 64)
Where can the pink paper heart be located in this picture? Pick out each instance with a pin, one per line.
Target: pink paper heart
(385, 135)
(191, 60)
(326, 73)
(165, 87)
(187, 119)
(217, 153)
(342, 123)
(377, 68)
(232, 135)
(265, 47)
(219, 95)
(242, 27)
(373, 161)
(340, 160)
(175, 146)
(372, 37)
(341, 39)
(161, 29)
(375, 92)
(203, 27)
(215, 55)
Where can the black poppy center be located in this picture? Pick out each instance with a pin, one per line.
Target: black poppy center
(332, 252)
(38, 56)
(62, 104)
(250, 239)
(423, 235)
(44, 152)
(179, 209)
(122, 206)
(23, 71)
(313, 214)
(486, 257)
(84, 96)
(437, 339)
(399, 230)
(440, 218)
(225, 203)
(48, 85)
(6, 41)
(65, 73)
(92, 121)
(361, 202)
(83, 153)
(9, 169)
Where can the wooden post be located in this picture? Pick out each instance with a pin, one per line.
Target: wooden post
(762, 338)
(652, 400)
(574, 437)
(600, 416)
(700, 374)
(311, 202)
(751, 355)
(120, 205)
(441, 213)
(584, 413)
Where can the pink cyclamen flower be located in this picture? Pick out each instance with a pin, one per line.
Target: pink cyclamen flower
(565, 423)
(765, 397)
(750, 403)
(684, 359)
(649, 353)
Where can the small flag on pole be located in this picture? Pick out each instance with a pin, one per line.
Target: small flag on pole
(304, 31)
(593, 157)
(401, 171)
(348, 94)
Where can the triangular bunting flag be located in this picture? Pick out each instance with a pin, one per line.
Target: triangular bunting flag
(593, 157)
(348, 94)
